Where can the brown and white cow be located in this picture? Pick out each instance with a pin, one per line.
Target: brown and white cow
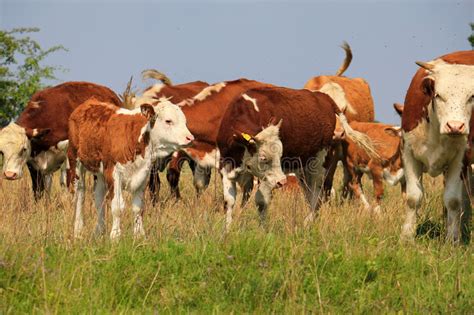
(251, 144)
(204, 112)
(387, 166)
(39, 136)
(119, 146)
(179, 94)
(354, 99)
(437, 121)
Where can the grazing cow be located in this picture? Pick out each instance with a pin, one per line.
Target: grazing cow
(181, 94)
(204, 112)
(354, 99)
(39, 137)
(119, 146)
(437, 123)
(388, 165)
(251, 144)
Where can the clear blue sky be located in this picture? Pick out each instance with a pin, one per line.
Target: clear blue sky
(279, 42)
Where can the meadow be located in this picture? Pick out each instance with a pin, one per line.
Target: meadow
(348, 261)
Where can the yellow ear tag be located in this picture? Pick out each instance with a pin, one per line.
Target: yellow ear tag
(246, 136)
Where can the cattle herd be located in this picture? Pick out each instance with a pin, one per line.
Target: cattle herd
(252, 133)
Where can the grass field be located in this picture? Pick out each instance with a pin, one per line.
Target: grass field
(348, 261)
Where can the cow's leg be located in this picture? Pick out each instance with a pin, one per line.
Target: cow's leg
(48, 183)
(246, 184)
(312, 182)
(466, 215)
(137, 208)
(154, 184)
(377, 180)
(99, 197)
(117, 204)
(453, 200)
(37, 182)
(174, 172)
(63, 174)
(201, 178)
(80, 188)
(355, 184)
(230, 191)
(331, 162)
(413, 173)
(403, 188)
(262, 199)
(71, 167)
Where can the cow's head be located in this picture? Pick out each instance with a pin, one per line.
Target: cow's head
(451, 88)
(262, 157)
(393, 171)
(168, 127)
(15, 146)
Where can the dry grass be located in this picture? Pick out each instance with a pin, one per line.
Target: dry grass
(349, 260)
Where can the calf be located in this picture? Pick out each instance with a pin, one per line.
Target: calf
(181, 94)
(250, 146)
(119, 146)
(437, 124)
(39, 137)
(387, 166)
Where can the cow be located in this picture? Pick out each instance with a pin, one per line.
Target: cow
(387, 166)
(271, 130)
(181, 94)
(119, 146)
(354, 99)
(204, 112)
(437, 124)
(39, 137)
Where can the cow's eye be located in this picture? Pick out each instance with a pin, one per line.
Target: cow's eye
(169, 122)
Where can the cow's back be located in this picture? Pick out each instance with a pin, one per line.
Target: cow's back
(204, 116)
(416, 101)
(356, 90)
(88, 132)
(51, 107)
(178, 93)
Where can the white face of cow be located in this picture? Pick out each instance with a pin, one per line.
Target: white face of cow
(452, 89)
(15, 148)
(265, 161)
(169, 131)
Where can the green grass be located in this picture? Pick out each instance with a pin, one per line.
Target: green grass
(348, 261)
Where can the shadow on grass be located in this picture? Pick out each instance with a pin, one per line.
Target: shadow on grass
(429, 229)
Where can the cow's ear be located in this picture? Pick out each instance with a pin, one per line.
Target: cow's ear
(36, 133)
(147, 111)
(393, 131)
(246, 140)
(428, 86)
(398, 108)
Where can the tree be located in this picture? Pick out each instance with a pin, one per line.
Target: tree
(471, 38)
(21, 72)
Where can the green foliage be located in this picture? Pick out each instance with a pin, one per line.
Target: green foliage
(471, 38)
(21, 70)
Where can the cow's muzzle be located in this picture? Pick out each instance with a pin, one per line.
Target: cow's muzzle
(455, 128)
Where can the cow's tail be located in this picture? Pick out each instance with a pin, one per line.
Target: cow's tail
(360, 139)
(347, 60)
(157, 75)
